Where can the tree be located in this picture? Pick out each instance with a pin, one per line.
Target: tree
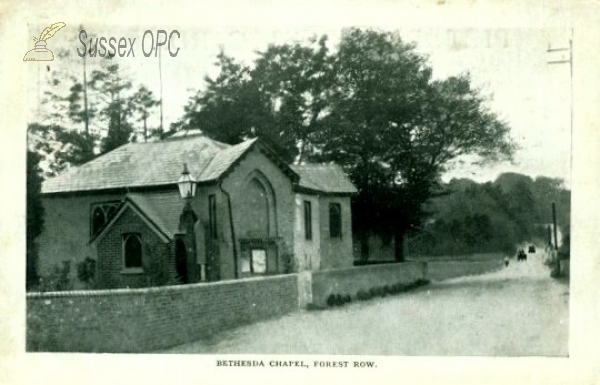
(57, 147)
(491, 216)
(35, 216)
(142, 102)
(281, 99)
(371, 106)
(111, 87)
(394, 128)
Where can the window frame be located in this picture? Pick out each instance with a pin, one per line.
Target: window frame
(131, 269)
(252, 270)
(335, 231)
(105, 207)
(249, 254)
(308, 233)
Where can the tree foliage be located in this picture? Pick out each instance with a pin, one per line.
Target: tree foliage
(370, 105)
(493, 216)
(77, 128)
(35, 216)
(142, 102)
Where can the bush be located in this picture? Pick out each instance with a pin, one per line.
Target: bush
(59, 278)
(379, 291)
(331, 300)
(86, 272)
(287, 256)
(362, 295)
(157, 269)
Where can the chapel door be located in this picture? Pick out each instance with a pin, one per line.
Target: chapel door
(181, 261)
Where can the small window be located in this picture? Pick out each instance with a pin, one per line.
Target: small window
(307, 220)
(335, 220)
(132, 251)
(254, 262)
(212, 215)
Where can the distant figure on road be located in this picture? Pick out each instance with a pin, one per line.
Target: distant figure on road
(506, 262)
(521, 256)
(531, 249)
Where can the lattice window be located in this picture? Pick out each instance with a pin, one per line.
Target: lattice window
(100, 214)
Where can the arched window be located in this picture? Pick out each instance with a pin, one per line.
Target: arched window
(132, 251)
(256, 210)
(100, 214)
(98, 219)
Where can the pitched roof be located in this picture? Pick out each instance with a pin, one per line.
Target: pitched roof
(160, 163)
(327, 178)
(150, 164)
(160, 212)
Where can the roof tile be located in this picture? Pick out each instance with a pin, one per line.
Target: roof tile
(149, 164)
(328, 178)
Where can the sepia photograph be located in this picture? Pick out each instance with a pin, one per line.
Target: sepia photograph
(302, 194)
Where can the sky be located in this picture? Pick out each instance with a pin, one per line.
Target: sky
(509, 66)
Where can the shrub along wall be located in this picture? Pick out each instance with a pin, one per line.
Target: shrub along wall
(141, 320)
(349, 281)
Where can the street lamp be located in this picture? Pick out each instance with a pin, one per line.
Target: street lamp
(185, 245)
(186, 183)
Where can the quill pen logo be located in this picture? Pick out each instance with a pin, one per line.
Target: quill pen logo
(40, 52)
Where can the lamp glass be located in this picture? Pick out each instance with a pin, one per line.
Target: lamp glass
(187, 185)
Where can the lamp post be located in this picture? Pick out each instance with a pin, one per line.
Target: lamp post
(185, 248)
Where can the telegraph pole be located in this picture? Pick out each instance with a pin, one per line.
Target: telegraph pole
(563, 61)
(85, 98)
(554, 225)
(161, 92)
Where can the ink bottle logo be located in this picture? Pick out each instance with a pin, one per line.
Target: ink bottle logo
(40, 52)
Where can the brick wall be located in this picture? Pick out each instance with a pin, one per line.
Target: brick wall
(142, 320)
(111, 271)
(349, 281)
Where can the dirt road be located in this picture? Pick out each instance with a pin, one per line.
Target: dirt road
(517, 311)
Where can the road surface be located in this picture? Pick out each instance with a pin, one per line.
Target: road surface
(518, 311)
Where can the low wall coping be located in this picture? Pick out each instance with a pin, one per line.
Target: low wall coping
(369, 267)
(151, 290)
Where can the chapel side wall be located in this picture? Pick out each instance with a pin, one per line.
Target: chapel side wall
(66, 232)
(234, 184)
(307, 252)
(336, 252)
(67, 222)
